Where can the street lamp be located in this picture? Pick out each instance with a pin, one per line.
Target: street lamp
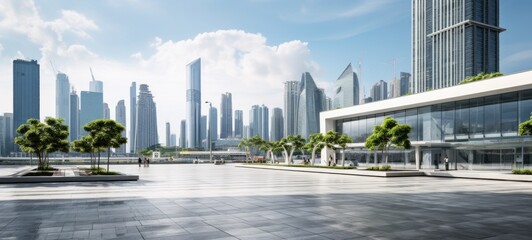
(209, 131)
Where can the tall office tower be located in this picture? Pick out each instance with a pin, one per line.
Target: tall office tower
(254, 121)
(291, 100)
(62, 98)
(193, 100)
(173, 140)
(264, 128)
(146, 135)
(26, 98)
(91, 109)
(182, 134)
(132, 116)
(245, 132)
(239, 124)
(277, 129)
(394, 88)
(328, 104)
(453, 40)
(347, 89)
(203, 128)
(74, 116)
(106, 111)
(8, 139)
(226, 116)
(379, 91)
(404, 83)
(368, 100)
(309, 107)
(213, 123)
(120, 116)
(167, 133)
(95, 85)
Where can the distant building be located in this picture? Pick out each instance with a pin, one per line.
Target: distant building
(8, 144)
(394, 89)
(311, 101)
(106, 111)
(132, 116)
(277, 129)
(347, 89)
(291, 99)
(239, 124)
(226, 116)
(96, 86)
(259, 121)
(203, 128)
(264, 128)
(404, 82)
(26, 92)
(91, 109)
(368, 100)
(246, 132)
(62, 98)
(173, 140)
(193, 103)
(120, 116)
(328, 104)
(213, 123)
(182, 134)
(167, 134)
(379, 91)
(74, 116)
(146, 135)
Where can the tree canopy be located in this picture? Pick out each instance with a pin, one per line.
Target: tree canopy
(389, 134)
(290, 144)
(525, 128)
(318, 141)
(106, 134)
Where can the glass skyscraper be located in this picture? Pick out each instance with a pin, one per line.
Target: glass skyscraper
(193, 103)
(277, 129)
(62, 98)
(239, 124)
(74, 116)
(347, 89)
(226, 116)
(182, 134)
(120, 116)
(132, 116)
(379, 91)
(213, 123)
(91, 108)
(26, 92)
(311, 101)
(453, 40)
(146, 134)
(291, 99)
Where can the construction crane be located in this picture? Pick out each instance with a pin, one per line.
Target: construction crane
(93, 79)
(53, 68)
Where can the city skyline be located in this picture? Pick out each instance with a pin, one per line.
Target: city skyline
(74, 48)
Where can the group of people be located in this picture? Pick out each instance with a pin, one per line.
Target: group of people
(145, 161)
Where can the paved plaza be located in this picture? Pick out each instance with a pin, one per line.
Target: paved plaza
(226, 202)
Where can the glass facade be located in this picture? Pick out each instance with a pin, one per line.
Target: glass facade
(478, 133)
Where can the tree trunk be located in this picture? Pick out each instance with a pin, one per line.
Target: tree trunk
(98, 160)
(290, 160)
(343, 157)
(382, 153)
(108, 156)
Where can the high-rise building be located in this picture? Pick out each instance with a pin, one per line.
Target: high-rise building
(453, 40)
(277, 129)
(120, 116)
(182, 134)
(226, 116)
(394, 88)
(254, 120)
(203, 128)
(347, 89)
(193, 103)
(246, 132)
(173, 140)
(213, 123)
(167, 133)
(96, 86)
(132, 116)
(264, 127)
(62, 98)
(291, 100)
(91, 109)
(74, 116)
(146, 134)
(8, 142)
(26, 92)
(239, 124)
(404, 82)
(310, 105)
(328, 104)
(106, 111)
(379, 91)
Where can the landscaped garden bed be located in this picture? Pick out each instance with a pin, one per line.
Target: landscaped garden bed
(522, 171)
(301, 165)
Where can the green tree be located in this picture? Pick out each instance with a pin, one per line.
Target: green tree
(106, 134)
(43, 138)
(289, 145)
(246, 144)
(525, 128)
(84, 145)
(330, 139)
(389, 134)
(270, 147)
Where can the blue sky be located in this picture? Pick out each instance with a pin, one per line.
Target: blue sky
(248, 48)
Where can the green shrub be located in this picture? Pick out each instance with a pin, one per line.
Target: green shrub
(381, 168)
(522, 171)
(302, 166)
(481, 76)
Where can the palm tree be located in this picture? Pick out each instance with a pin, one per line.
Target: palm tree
(289, 145)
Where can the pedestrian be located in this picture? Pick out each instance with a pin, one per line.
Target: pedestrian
(446, 159)
(330, 160)
(145, 161)
(140, 161)
(148, 161)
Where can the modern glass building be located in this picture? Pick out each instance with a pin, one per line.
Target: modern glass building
(239, 124)
(132, 116)
(453, 40)
(146, 134)
(182, 134)
(193, 103)
(347, 89)
(8, 143)
(62, 98)
(26, 92)
(91, 109)
(475, 125)
(277, 129)
(291, 99)
(106, 111)
(120, 116)
(311, 101)
(379, 91)
(226, 116)
(74, 116)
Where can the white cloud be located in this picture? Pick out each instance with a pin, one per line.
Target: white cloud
(74, 22)
(314, 11)
(518, 57)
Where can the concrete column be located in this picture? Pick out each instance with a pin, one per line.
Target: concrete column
(417, 158)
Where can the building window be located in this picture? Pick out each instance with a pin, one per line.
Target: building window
(492, 116)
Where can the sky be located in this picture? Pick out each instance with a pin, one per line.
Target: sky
(249, 48)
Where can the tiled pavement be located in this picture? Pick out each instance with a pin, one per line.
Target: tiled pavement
(224, 202)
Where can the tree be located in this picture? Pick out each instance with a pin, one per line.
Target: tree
(289, 145)
(43, 138)
(246, 144)
(270, 147)
(84, 145)
(389, 134)
(525, 128)
(330, 139)
(107, 134)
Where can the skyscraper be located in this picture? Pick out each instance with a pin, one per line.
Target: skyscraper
(74, 116)
(347, 89)
(167, 133)
(226, 116)
(146, 134)
(120, 116)
(394, 88)
(264, 128)
(8, 139)
(379, 91)
(132, 116)
(404, 82)
(203, 128)
(277, 129)
(453, 40)
(213, 123)
(26, 92)
(173, 140)
(254, 121)
(62, 98)
(291, 99)
(2, 134)
(193, 103)
(106, 111)
(91, 109)
(239, 124)
(310, 105)
(182, 134)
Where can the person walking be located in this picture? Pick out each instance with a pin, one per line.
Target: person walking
(148, 161)
(140, 161)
